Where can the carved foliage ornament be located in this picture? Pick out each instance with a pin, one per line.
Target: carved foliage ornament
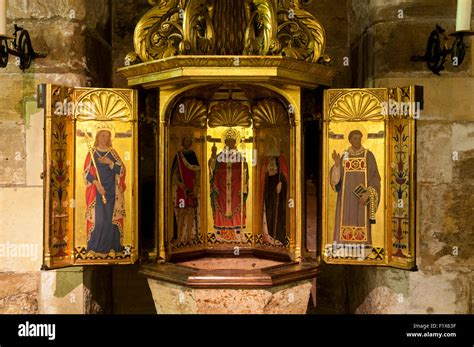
(229, 27)
(173, 27)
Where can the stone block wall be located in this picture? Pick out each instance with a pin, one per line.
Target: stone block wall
(126, 15)
(76, 35)
(445, 150)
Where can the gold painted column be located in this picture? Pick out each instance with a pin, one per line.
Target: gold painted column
(293, 96)
(298, 178)
(165, 96)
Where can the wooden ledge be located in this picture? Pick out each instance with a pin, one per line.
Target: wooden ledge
(285, 273)
(217, 69)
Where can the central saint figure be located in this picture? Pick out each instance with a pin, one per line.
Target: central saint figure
(228, 180)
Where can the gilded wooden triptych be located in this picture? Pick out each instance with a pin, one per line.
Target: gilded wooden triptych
(228, 176)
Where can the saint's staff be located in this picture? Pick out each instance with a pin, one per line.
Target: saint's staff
(91, 151)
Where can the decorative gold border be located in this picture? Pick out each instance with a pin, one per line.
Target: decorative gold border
(407, 95)
(58, 176)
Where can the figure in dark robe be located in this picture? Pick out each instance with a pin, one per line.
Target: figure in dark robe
(185, 173)
(356, 179)
(229, 190)
(274, 181)
(105, 187)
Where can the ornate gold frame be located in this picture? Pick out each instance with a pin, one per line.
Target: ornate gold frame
(273, 44)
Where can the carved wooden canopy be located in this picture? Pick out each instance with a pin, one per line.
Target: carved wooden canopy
(229, 27)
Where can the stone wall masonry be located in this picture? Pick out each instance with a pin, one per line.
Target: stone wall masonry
(19, 292)
(76, 35)
(126, 15)
(70, 32)
(445, 162)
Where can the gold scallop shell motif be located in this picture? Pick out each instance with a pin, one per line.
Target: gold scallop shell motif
(269, 113)
(190, 112)
(229, 114)
(357, 106)
(103, 105)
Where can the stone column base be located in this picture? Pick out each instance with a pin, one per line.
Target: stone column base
(171, 298)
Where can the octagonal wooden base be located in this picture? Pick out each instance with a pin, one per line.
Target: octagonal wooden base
(221, 284)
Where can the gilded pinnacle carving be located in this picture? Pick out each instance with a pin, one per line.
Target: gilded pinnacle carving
(202, 27)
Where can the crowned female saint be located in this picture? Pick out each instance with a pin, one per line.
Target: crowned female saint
(104, 174)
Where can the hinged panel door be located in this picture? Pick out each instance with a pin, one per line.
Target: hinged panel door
(369, 177)
(91, 176)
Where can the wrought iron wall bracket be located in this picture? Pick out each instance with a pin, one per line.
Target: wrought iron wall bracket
(21, 47)
(437, 49)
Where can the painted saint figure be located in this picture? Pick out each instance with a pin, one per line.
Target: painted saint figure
(356, 179)
(185, 173)
(229, 190)
(274, 182)
(105, 187)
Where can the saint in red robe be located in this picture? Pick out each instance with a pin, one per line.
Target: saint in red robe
(229, 191)
(185, 176)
